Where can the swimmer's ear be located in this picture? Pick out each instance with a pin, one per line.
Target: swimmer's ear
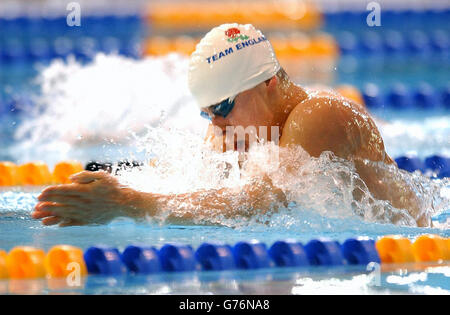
(272, 85)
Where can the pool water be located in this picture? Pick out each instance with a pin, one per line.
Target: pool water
(16, 208)
(317, 280)
(16, 227)
(147, 112)
(41, 135)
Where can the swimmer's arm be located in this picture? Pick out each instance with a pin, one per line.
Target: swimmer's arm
(98, 198)
(327, 124)
(387, 183)
(208, 206)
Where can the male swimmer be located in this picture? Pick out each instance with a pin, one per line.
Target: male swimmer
(237, 81)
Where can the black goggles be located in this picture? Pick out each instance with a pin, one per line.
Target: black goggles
(221, 109)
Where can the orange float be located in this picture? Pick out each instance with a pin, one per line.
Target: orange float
(35, 173)
(350, 92)
(62, 260)
(64, 169)
(25, 262)
(9, 174)
(299, 45)
(267, 15)
(431, 248)
(3, 269)
(323, 45)
(184, 45)
(395, 249)
(280, 46)
(292, 46)
(158, 46)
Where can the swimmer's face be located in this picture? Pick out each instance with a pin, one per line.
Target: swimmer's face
(251, 108)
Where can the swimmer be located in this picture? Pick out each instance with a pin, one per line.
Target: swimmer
(237, 80)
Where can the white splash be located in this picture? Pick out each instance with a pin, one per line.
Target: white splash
(323, 186)
(81, 105)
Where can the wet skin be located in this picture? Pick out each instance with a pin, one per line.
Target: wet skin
(318, 123)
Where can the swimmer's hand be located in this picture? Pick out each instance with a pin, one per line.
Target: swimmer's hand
(98, 198)
(92, 198)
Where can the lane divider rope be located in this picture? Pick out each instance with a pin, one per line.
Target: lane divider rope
(38, 173)
(25, 262)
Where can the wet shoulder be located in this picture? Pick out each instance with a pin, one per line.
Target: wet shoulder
(328, 123)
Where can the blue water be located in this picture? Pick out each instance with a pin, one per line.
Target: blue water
(16, 227)
(15, 208)
(318, 280)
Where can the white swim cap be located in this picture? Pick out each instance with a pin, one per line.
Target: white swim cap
(230, 59)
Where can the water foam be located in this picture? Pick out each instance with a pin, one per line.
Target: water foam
(103, 101)
(316, 188)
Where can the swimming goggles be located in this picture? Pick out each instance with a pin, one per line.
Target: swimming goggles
(221, 109)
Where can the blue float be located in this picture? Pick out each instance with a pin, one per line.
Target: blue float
(445, 97)
(437, 163)
(141, 259)
(13, 51)
(410, 164)
(440, 41)
(425, 97)
(177, 258)
(39, 50)
(251, 255)
(86, 48)
(324, 253)
(360, 251)
(394, 42)
(215, 257)
(371, 43)
(62, 47)
(348, 43)
(419, 42)
(444, 173)
(110, 45)
(399, 97)
(104, 261)
(372, 97)
(288, 254)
